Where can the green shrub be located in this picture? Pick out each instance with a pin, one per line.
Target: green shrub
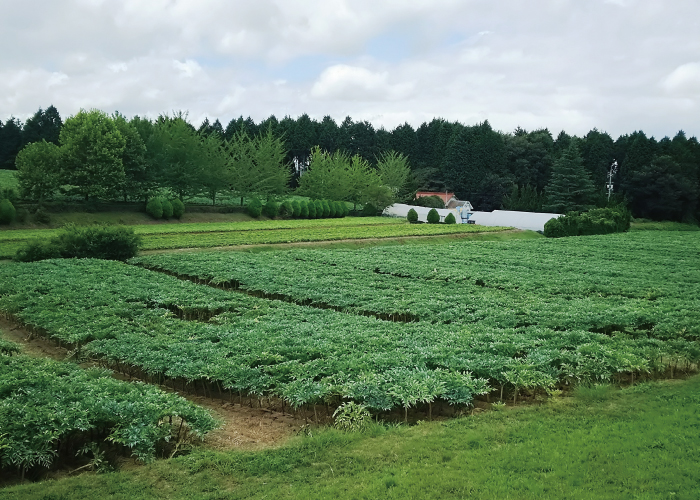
(332, 209)
(296, 207)
(10, 194)
(154, 208)
(96, 242)
(433, 216)
(37, 250)
(432, 201)
(304, 210)
(271, 209)
(7, 211)
(369, 210)
(254, 207)
(412, 216)
(42, 216)
(167, 209)
(311, 209)
(595, 221)
(326, 209)
(319, 209)
(352, 417)
(178, 208)
(286, 209)
(450, 219)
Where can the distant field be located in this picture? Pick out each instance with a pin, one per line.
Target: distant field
(207, 235)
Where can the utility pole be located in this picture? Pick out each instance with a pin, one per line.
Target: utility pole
(611, 172)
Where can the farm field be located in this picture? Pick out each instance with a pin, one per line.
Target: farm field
(198, 235)
(413, 332)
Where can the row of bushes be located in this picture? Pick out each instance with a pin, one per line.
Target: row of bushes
(294, 209)
(595, 221)
(433, 217)
(97, 242)
(162, 208)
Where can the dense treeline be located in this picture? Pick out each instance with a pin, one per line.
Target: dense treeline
(522, 170)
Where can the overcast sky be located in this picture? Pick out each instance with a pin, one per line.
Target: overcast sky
(618, 65)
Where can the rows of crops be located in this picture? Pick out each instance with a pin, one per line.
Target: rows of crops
(637, 283)
(514, 330)
(50, 409)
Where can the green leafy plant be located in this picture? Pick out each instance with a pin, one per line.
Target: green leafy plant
(178, 208)
(450, 219)
(254, 207)
(412, 216)
(154, 208)
(433, 216)
(271, 209)
(167, 208)
(352, 417)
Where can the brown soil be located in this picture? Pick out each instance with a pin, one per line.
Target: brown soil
(243, 428)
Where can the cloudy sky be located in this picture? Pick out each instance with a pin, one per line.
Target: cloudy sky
(618, 65)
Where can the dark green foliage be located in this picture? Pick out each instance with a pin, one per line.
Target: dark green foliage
(595, 221)
(570, 187)
(271, 209)
(524, 198)
(331, 208)
(432, 201)
(319, 209)
(42, 216)
(286, 209)
(96, 242)
(303, 209)
(368, 210)
(296, 209)
(254, 207)
(326, 209)
(178, 208)
(154, 208)
(412, 216)
(311, 209)
(433, 216)
(450, 219)
(7, 211)
(167, 208)
(10, 194)
(37, 250)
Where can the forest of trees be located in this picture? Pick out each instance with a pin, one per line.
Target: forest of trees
(522, 170)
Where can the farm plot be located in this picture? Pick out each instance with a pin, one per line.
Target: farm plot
(50, 409)
(203, 339)
(637, 284)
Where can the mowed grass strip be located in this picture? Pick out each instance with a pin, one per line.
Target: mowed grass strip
(603, 443)
(207, 235)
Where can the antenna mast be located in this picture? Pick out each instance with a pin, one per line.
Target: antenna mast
(611, 173)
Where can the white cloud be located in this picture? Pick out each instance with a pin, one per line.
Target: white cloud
(352, 83)
(684, 80)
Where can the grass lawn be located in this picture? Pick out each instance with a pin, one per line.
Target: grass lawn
(602, 443)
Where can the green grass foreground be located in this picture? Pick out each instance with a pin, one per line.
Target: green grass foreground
(603, 443)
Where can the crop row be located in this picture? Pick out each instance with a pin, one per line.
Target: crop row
(50, 409)
(124, 316)
(593, 284)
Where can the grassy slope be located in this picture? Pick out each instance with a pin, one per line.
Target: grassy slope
(637, 443)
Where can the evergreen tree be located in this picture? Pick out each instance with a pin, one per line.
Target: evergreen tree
(44, 125)
(570, 187)
(10, 142)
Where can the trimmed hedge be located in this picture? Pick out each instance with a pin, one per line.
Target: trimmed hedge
(595, 221)
(433, 216)
(178, 208)
(83, 242)
(254, 207)
(450, 219)
(271, 209)
(154, 208)
(167, 209)
(412, 216)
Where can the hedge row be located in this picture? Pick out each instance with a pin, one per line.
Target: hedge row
(595, 221)
(294, 209)
(161, 208)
